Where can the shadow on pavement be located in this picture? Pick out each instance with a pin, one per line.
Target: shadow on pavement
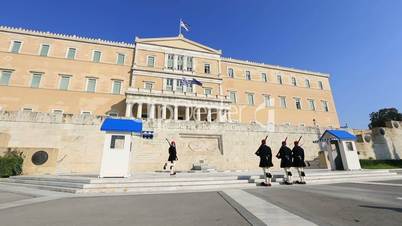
(383, 208)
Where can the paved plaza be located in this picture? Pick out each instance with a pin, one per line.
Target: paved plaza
(347, 203)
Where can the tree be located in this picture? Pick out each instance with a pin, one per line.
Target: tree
(378, 119)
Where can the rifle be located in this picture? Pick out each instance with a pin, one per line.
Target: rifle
(286, 139)
(299, 139)
(168, 142)
(266, 138)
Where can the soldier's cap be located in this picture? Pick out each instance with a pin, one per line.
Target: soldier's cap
(296, 142)
(283, 142)
(263, 141)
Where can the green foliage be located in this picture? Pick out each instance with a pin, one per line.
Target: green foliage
(380, 164)
(378, 119)
(11, 164)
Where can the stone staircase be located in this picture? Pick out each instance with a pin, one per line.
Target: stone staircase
(143, 184)
(185, 182)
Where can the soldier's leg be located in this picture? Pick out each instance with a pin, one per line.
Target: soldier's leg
(265, 174)
(269, 176)
(289, 172)
(302, 175)
(165, 165)
(172, 172)
(286, 178)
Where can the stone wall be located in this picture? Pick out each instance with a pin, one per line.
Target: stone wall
(79, 141)
(380, 143)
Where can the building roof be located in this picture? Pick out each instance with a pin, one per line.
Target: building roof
(340, 134)
(48, 34)
(121, 125)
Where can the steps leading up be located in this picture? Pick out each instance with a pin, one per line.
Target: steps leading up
(162, 182)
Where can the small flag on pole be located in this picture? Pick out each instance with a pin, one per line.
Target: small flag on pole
(184, 25)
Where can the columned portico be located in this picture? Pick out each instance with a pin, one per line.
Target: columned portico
(179, 106)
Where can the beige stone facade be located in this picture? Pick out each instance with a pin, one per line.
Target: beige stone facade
(45, 72)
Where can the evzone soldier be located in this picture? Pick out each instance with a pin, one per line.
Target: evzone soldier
(285, 154)
(265, 154)
(298, 161)
(172, 157)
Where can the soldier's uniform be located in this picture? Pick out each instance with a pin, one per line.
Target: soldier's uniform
(172, 158)
(265, 154)
(298, 162)
(285, 154)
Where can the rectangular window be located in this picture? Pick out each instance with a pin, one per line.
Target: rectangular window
(57, 111)
(311, 104)
(44, 50)
(250, 98)
(35, 82)
(320, 85)
(16, 46)
(248, 75)
(208, 91)
(294, 81)
(189, 64)
(169, 84)
(27, 110)
(180, 62)
(264, 77)
(113, 114)
(307, 83)
(5, 78)
(71, 53)
(267, 101)
(179, 85)
(148, 85)
(96, 56)
(349, 145)
(232, 96)
(324, 105)
(189, 88)
(170, 62)
(297, 103)
(86, 113)
(207, 68)
(230, 72)
(279, 79)
(64, 82)
(120, 58)
(282, 101)
(91, 85)
(117, 142)
(151, 61)
(116, 86)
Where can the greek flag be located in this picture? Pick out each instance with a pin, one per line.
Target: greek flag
(184, 25)
(195, 81)
(185, 82)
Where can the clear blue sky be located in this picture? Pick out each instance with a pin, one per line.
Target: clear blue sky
(358, 42)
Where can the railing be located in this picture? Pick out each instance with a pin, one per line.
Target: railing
(132, 90)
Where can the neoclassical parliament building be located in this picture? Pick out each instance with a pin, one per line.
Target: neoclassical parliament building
(170, 78)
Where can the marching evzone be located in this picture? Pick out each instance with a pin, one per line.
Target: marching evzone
(298, 161)
(285, 154)
(265, 154)
(172, 157)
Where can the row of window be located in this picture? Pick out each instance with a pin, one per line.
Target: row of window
(268, 102)
(61, 111)
(64, 81)
(178, 62)
(264, 78)
(70, 53)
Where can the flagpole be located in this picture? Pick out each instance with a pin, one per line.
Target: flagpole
(180, 28)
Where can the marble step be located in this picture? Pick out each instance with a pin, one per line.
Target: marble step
(44, 187)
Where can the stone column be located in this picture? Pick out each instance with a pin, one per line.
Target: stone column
(220, 116)
(187, 113)
(198, 114)
(152, 111)
(209, 118)
(129, 110)
(228, 117)
(164, 111)
(176, 112)
(139, 110)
